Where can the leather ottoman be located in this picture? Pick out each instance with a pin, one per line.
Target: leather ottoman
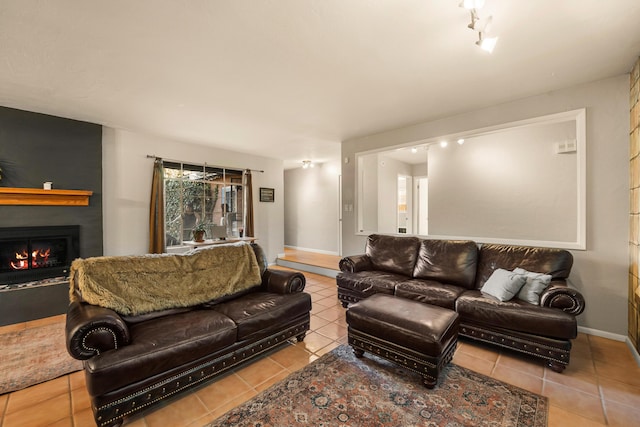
(417, 336)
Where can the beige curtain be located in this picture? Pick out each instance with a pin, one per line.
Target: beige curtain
(156, 210)
(248, 220)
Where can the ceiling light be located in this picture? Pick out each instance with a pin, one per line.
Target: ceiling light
(460, 141)
(307, 164)
(472, 4)
(481, 25)
(486, 43)
(414, 150)
(443, 144)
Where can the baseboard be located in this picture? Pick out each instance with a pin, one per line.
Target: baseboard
(634, 352)
(319, 251)
(307, 267)
(611, 336)
(603, 334)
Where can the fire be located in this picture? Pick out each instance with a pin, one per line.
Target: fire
(39, 258)
(21, 262)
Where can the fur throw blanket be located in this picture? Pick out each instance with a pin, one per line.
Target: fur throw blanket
(133, 285)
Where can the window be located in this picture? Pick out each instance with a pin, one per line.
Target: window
(197, 194)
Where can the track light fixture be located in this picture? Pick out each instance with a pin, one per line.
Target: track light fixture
(481, 25)
(486, 43)
(472, 4)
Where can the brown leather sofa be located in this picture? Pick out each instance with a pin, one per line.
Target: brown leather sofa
(132, 364)
(450, 274)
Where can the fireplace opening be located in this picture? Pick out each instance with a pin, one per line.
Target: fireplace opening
(37, 253)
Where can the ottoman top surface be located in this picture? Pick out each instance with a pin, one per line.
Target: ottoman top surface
(402, 313)
(413, 324)
(388, 304)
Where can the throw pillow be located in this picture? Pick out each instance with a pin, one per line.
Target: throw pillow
(503, 284)
(534, 285)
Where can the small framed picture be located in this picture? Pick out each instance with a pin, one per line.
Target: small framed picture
(266, 194)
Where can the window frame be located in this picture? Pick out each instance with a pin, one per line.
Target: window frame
(206, 194)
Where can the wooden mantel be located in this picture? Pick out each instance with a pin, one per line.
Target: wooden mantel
(37, 196)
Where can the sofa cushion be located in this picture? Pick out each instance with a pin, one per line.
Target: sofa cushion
(447, 261)
(259, 313)
(473, 307)
(534, 286)
(556, 262)
(429, 292)
(393, 254)
(159, 345)
(503, 284)
(370, 282)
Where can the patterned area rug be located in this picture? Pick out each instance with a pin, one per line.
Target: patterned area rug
(34, 355)
(340, 390)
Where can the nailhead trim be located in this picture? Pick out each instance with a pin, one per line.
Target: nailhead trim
(519, 344)
(93, 331)
(173, 385)
(426, 366)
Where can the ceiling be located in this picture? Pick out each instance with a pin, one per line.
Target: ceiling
(290, 79)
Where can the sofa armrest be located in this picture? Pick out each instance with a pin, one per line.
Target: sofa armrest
(283, 282)
(564, 298)
(355, 263)
(91, 330)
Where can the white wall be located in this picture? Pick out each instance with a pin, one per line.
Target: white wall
(599, 272)
(311, 207)
(510, 185)
(127, 176)
(387, 185)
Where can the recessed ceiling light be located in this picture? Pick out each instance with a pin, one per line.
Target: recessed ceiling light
(443, 144)
(461, 141)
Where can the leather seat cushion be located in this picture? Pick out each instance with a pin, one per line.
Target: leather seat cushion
(159, 345)
(259, 313)
(429, 292)
(370, 282)
(516, 315)
(421, 327)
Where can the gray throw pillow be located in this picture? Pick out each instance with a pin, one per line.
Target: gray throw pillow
(503, 284)
(534, 285)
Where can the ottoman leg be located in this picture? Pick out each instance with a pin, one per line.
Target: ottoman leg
(359, 353)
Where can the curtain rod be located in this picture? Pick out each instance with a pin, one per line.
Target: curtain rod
(153, 156)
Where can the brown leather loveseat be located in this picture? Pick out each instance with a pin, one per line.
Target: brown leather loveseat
(453, 273)
(135, 361)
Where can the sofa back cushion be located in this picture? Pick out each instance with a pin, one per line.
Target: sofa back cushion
(393, 254)
(452, 262)
(555, 262)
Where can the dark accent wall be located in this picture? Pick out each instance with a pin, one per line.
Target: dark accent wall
(35, 148)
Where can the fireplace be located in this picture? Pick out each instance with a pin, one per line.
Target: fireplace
(36, 253)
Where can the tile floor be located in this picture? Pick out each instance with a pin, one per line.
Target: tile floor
(600, 387)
